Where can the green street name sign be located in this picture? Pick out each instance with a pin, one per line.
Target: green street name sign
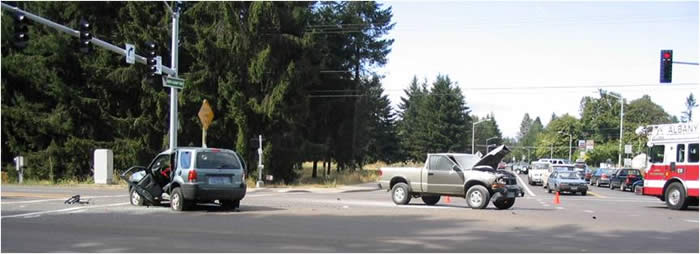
(175, 82)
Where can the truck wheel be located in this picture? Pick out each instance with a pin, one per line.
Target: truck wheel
(549, 190)
(134, 197)
(230, 204)
(400, 194)
(504, 203)
(178, 201)
(478, 197)
(676, 198)
(430, 200)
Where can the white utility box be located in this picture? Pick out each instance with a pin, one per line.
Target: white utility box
(104, 166)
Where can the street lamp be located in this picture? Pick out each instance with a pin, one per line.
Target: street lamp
(562, 132)
(473, 131)
(487, 143)
(622, 115)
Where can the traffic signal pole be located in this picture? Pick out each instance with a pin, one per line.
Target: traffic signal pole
(173, 91)
(122, 51)
(76, 33)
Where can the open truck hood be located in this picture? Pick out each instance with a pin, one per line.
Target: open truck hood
(492, 158)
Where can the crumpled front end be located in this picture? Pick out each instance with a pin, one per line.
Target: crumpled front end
(505, 185)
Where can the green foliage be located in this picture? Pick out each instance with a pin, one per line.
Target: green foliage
(257, 64)
(433, 121)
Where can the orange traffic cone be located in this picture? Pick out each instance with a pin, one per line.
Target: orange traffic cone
(556, 198)
(447, 199)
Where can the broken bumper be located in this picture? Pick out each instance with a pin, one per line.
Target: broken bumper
(509, 191)
(193, 191)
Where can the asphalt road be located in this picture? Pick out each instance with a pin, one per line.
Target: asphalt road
(34, 219)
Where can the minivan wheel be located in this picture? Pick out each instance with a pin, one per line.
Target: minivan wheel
(478, 197)
(177, 201)
(134, 198)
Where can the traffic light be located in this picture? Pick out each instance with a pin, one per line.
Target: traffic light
(666, 65)
(179, 6)
(85, 36)
(153, 60)
(21, 31)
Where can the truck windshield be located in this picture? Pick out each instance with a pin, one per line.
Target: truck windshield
(217, 160)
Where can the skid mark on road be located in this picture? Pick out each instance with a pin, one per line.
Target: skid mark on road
(37, 214)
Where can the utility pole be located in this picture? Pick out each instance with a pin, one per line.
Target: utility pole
(622, 117)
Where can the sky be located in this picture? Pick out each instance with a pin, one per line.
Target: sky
(542, 57)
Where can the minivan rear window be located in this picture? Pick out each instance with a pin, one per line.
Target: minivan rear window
(217, 160)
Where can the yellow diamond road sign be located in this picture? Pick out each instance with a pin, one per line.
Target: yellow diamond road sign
(206, 115)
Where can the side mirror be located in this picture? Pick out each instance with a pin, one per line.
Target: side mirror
(673, 166)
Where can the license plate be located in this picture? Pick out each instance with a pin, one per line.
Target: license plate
(510, 194)
(219, 180)
(574, 188)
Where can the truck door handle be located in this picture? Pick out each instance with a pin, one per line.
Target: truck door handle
(431, 174)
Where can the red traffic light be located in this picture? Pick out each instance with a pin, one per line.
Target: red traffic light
(667, 55)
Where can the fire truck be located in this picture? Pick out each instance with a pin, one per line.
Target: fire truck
(671, 173)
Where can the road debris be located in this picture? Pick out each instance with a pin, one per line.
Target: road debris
(76, 200)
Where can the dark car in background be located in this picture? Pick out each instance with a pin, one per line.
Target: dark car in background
(601, 176)
(624, 178)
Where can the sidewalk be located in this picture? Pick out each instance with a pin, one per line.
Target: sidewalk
(365, 187)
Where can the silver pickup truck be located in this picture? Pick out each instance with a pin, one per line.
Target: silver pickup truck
(457, 175)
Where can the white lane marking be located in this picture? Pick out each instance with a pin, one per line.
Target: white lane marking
(61, 199)
(560, 208)
(61, 210)
(692, 221)
(524, 185)
(588, 211)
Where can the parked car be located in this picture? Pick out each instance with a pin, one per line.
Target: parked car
(555, 161)
(521, 167)
(453, 174)
(538, 173)
(187, 175)
(559, 167)
(601, 176)
(588, 173)
(624, 178)
(637, 186)
(568, 181)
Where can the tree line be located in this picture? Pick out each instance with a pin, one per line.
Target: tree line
(299, 73)
(598, 120)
